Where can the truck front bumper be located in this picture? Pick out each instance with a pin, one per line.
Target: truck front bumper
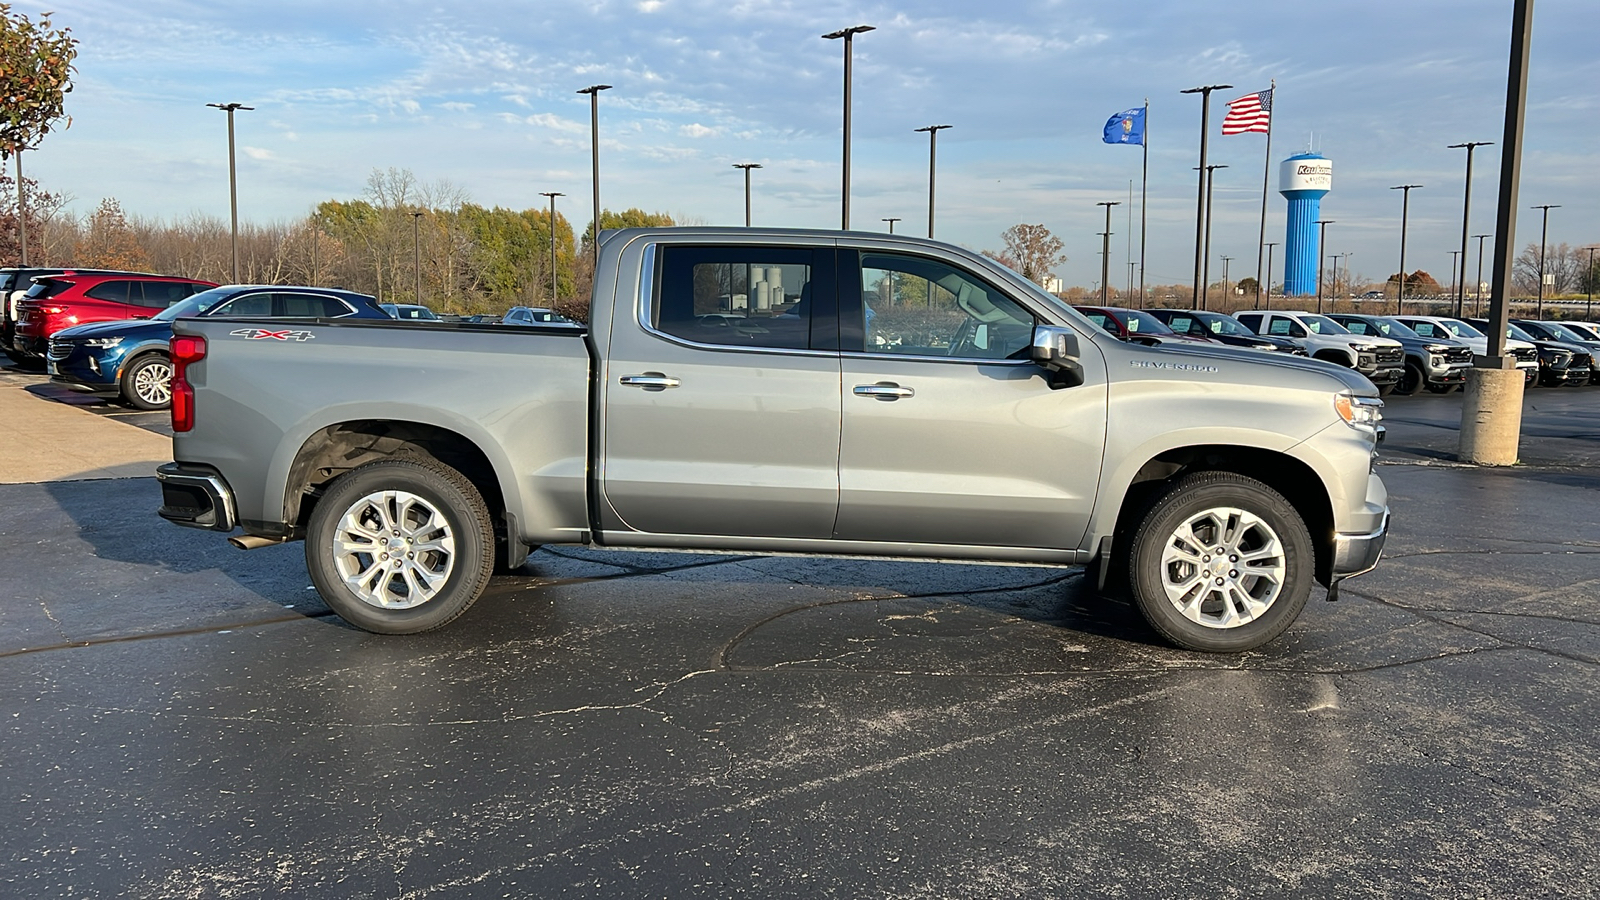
(1357, 554)
(196, 497)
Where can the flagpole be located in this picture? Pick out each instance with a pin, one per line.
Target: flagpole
(1266, 174)
(1144, 185)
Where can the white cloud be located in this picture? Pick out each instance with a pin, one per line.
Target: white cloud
(649, 6)
(258, 153)
(547, 120)
(454, 106)
(696, 130)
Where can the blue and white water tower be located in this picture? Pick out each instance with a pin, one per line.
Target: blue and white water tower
(1304, 179)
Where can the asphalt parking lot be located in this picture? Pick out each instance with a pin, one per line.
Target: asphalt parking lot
(182, 719)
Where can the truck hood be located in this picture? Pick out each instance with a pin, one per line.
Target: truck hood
(1344, 378)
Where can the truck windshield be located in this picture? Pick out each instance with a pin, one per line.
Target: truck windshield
(193, 306)
(1393, 328)
(1138, 322)
(1220, 324)
(1322, 325)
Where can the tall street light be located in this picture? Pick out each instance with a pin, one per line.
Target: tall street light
(1466, 216)
(1544, 230)
(416, 251)
(1210, 178)
(1225, 261)
(849, 35)
(1267, 288)
(933, 149)
(1405, 212)
(593, 91)
(552, 195)
(1455, 259)
(233, 180)
(747, 167)
(1322, 241)
(1589, 279)
(1477, 287)
(1105, 253)
(1334, 288)
(891, 220)
(1200, 191)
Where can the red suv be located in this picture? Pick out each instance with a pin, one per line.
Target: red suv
(78, 298)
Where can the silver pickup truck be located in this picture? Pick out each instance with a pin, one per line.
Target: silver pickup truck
(781, 391)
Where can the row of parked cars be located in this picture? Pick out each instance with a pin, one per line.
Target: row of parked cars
(1400, 354)
(106, 332)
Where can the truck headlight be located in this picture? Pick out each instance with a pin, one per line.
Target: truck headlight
(1359, 412)
(1365, 348)
(102, 342)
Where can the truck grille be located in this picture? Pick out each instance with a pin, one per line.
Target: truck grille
(59, 350)
(1391, 354)
(1579, 361)
(1459, 355)
(1525, 354)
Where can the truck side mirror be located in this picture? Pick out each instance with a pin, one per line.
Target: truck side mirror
(1056, 349)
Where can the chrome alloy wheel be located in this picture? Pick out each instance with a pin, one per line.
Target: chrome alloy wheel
(1223, 567)
(394, 549)
(153, 383)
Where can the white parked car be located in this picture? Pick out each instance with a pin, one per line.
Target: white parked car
(1444, 327)
(1381, 359)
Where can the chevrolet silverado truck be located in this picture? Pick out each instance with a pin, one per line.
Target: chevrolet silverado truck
(782, 392)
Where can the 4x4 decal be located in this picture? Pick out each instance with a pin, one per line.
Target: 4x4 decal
(260, 334)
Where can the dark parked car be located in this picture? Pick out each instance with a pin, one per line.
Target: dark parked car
(58, 302)
(1433, 363)
(1136, 325)
(129, 360)
(1224, 330)
(1559, 362)
(1561, 331)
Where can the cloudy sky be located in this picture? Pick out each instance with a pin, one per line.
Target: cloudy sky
(481, 93)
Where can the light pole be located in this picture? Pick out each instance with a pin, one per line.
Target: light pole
(1544, 230)
(1105, 253)
(593, 91)
(1205, 271)
(1455, 260)
(1334, 288)
(1466, 216)
(1477, 287)
(1268, 287)
(1589, 279)
(552, 195)
(416, 254)
(1322, 241)
(933, 146)
(1200, 194)
(747, 167)
(849, 35)
(22, 213)
(1405, 213)
(1225, 261)
(891, 220)
(233, 180)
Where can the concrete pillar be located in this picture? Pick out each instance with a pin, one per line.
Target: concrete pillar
(1491, 412)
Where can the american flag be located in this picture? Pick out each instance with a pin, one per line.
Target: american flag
(1252, 112)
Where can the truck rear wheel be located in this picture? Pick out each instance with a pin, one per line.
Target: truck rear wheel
(400, 546)
(1220, 563)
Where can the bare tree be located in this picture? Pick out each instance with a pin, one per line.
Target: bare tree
(1031, 250)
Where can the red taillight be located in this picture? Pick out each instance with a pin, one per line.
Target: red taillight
(186, 349)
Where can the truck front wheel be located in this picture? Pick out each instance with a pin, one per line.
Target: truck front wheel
(1220, 563)
(400, 546)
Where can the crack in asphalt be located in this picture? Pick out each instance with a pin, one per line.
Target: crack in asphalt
(1438, 617)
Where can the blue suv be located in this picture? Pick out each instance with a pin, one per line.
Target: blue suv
(129, 360)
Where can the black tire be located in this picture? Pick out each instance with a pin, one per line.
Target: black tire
(147, 383)
(465, 569)
(1411, 380)
(1385, 390)
(1194, 495)
(1442, 388)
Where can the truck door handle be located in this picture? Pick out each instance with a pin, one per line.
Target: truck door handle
(650, 381)
(883, 390)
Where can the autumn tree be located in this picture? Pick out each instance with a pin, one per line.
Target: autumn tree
(1030, 250)
(35, 77)
(109, 242)
(43, 209)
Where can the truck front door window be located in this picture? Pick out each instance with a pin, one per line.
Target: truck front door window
(921, 307)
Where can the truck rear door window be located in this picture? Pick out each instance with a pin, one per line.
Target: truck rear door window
(740, 296)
